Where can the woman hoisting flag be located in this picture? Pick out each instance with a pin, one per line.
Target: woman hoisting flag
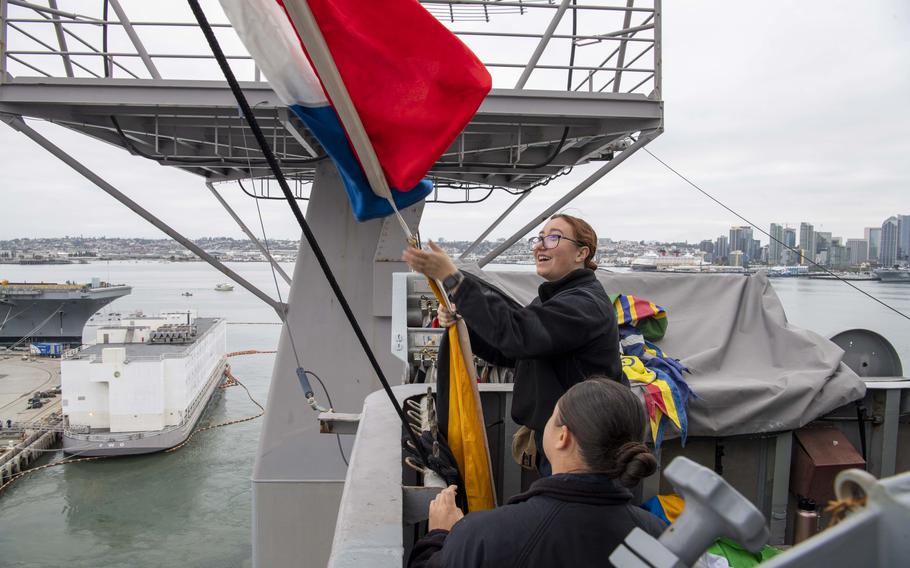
(386, 89)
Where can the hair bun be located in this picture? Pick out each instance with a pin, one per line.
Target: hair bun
(634, 462)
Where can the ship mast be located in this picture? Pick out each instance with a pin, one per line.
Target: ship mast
(578, 87)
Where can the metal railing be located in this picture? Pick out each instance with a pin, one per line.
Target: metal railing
(574, 45)
(79, 354)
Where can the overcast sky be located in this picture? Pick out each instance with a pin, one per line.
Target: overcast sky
(786, 111)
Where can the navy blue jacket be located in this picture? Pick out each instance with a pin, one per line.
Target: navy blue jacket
(567, 334)
(562, 520)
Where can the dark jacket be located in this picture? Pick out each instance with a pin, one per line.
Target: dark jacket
(562, 520)
(567, 334)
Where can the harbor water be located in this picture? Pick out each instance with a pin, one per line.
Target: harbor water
(192, 507)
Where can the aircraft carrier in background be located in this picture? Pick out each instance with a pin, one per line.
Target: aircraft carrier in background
(33, 312)
(891, 275)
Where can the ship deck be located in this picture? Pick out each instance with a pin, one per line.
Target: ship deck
(145, 350)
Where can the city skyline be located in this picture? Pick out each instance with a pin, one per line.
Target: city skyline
(886, 246)
(760, 235)
(769, 124)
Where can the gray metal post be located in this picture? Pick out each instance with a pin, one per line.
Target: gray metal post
(17, 123)
(249, 233)
(621, 58)
(61, 39)
(493, 225)
(883, 462)
(780, 487)
(596, 176)
(284, 116)
(299, 475)
(134, 37)
(3, 47)
(658, 32)
(542, 45)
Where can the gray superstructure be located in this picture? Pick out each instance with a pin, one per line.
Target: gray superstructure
(585, 98)
(51, 312)
(891, 275)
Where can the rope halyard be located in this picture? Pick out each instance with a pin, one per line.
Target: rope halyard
(840, 508)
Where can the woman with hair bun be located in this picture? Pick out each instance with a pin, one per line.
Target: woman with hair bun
(577, 516)
(565, 334)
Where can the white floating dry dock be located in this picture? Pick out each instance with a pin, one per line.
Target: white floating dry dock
(143, 385)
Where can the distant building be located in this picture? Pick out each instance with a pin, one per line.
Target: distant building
(874, 237)
(788, 256)
(806, 235)
(735, 258)
(903, 237)
(857, 251)
(806, 243)
(741, 240)
(790, 237)
(837, 254)
(822, 241)
(707, 247)
(721, 249)
(776, 245)
(888, 250)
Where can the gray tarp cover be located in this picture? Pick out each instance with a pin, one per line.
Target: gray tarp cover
(753, 371)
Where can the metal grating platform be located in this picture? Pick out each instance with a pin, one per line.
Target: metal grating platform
(573, 83)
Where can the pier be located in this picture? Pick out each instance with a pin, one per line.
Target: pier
(27, 431)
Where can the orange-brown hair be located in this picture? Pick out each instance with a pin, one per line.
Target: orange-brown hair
(584, 234)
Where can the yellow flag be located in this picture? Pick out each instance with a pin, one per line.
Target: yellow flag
(467, 435)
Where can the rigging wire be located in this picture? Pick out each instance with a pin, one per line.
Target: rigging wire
(546, 162)
(329, 398)
(301, 220)
(767, 234)
(267, 197)
(545, 181)
(207, 160)
(287, 327)
(480, 200)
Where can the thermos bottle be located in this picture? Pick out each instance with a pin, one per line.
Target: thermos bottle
(806, 520)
